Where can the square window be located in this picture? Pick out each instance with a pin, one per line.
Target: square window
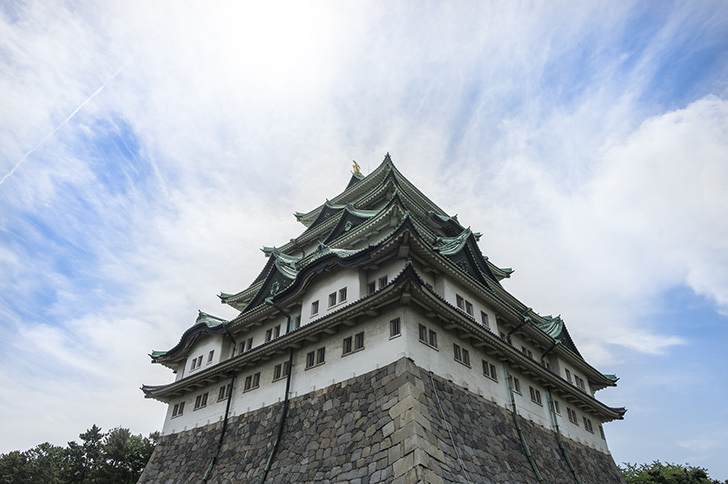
(394, 329)
(342, 294)
(332, 299)
(484, 319)
(314, 308)
(371, 288)
(252, 382)
(359, 341)
(382, 282)
(201, 401)
(347, 346)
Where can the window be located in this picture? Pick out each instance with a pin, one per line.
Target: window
(382, 282)
(371, 287)
(297, 322)
(224, 392)
(268, 334)
(180, 408)
(535, 395)
(342, 295)
(280, 371)
(526, 352)
(484, 319)
(252, 382)
(197, 362)
(579, 383)
(423, 334)
(516, 385)
(359, 341)
(601, 429)
(209, 356)
(194, 364)
(489, 370)
(460, 301)
(433, 339)
(315, 358)
(249, 344)
(572, 416)
(556, 407)
(276, 331)
(394, 329)
(568, 375)
(314, 307)
(347, 346)
(201, 401)
(461, 354)
(588, 425)
(468, 308)
(332, 299)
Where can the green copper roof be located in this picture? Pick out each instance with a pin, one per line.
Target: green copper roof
(452, 245)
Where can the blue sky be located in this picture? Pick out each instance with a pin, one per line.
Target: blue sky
(150, 150)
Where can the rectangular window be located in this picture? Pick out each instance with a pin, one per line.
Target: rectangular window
(489, 370)
(484, 319)
(516, 385)
(371, 287)
(458, 352)
(297, 322)
(314, 308)
(535, 395)
(588, 425)
(315, 358)
(268, 335)
(461, 354)
(468, 308)
(382, 282)
(601, 429)
(572, 416)
(579, 383)
(321, 356)
(252, 382)
(526, 352)
(310, 359)
(568, 375)
(556, 407)
(280, 371)
(342, 295)
(201, 401)
(276, 331)
(347, 346)
(459, 301)
(428, 337)
(194, 364)
(209, 356)
(178, 409)
(332, 299)
(394, 329)
(224, 392)
(249, 344)
(359, 341)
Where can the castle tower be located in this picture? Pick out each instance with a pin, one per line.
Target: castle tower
(380, 346)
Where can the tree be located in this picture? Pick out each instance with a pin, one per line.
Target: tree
(117, 457)
(659, 473)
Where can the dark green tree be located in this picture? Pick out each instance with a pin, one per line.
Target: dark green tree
(659, 473)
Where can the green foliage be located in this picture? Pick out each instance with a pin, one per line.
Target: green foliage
(116, 457)
(659, 473)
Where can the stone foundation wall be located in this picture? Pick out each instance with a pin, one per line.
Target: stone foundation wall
(389, 425)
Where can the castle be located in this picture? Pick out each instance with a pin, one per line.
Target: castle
(380, 346)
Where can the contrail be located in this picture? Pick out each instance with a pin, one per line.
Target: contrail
(101, 88)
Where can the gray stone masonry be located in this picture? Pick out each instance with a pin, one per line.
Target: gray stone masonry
(384, 426)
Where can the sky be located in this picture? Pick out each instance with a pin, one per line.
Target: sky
(150, 149)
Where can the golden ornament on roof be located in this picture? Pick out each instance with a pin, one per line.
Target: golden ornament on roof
(356, 170)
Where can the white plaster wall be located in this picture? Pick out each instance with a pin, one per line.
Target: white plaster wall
(202, 348)
(321, 288)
